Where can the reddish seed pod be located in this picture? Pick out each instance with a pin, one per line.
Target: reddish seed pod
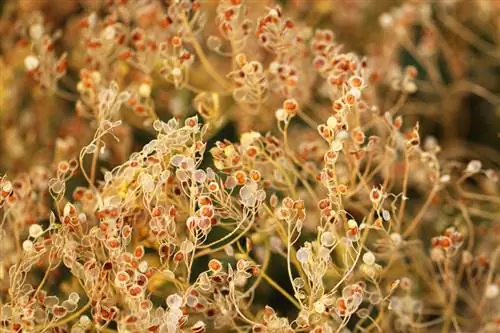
(412, 71)
(179, 256)
(207, 211)
(164, 250)
(139, 252)
(444, 242)
(255, 175)
(166, 22)
(298, 204)
(125, 55)
(172, 211)
(323, 204)
(156, 212)
(204, 200)
(215, 265)
(350, 99)
(176, 41)
(291, 106)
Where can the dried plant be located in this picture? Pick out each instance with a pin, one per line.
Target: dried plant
(168, 165)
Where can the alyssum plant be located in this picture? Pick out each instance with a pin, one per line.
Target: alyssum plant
(375, 231)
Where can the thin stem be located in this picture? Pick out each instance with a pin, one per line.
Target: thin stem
(93, 166)
(414, 223)
(405, 189)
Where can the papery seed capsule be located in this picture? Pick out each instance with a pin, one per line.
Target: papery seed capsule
(139, 252)
(291, 106)
(204, 200)
(113, 243)
(369, 258)
(27, 245)
(213, 187)
(412, 71)
(323, 203)
(198, 327)
(240, 177)
(444, 242)
(59, 311)
(255, 175)
(215, 265)
(356, 82)
(179, 256)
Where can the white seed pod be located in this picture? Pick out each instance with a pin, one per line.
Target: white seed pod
(445, 179)
(492, 175)
(343, 135)
(303, 255)
(369, 258)
(36, 31)
(410, 87)
(143, 266)
(74, 297)
(474, 166)
(396, 238)
(492, 291)
(174, 301)
(96, 77)
(280, 115)
(35, 230)
(145, 90)
(214, 42)
(7, 187)
(82, 218)
(27, 245)
(109, 33)
(336, 145)
(90, 149)
(198, 327)
(176, 72)
(355, 92)
(248, 138)
(31, 62)
(191, 301)
(298, 283)
(437, 254)
(352, 224)
(319, 307)
(327, 239)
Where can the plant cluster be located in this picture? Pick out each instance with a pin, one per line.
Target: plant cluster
(127, 206)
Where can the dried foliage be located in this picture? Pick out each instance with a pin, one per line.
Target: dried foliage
(126, 205)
